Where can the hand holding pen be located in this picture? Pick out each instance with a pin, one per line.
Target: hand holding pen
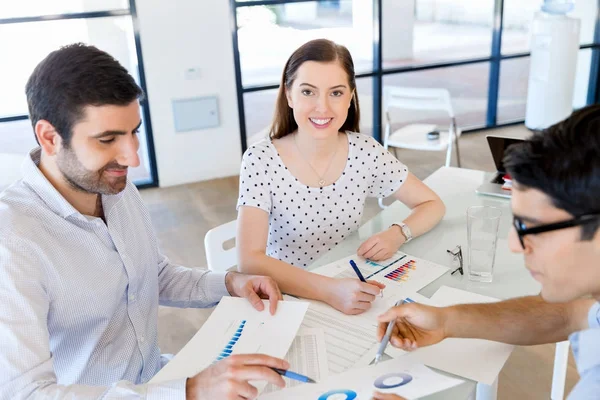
(413, 325)
(352, 296)
(230, 378)
(386, 337)
(294, 375)
(362, 278)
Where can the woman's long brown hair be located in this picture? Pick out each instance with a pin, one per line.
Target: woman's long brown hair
(320, 50)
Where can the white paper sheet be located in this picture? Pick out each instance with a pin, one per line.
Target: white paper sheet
(476, 359)
(408, 275)
(402, 274)
(448, 296)
(403, 376)
(349, 339)
(307, 356)
(341, 268)
(235, 327)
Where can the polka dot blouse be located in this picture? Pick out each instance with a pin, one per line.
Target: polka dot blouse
(305, 222)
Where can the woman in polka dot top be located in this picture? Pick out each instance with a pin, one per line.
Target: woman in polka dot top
(303, 190)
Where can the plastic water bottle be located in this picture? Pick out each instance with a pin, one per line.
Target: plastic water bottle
(557, 7)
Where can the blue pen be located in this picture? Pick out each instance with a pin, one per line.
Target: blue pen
(360, 275)
(355, 268)
(293, 375)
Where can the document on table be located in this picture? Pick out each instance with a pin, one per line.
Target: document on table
(341, 268)
(403, 376)
(402, 274)
(235, 327)
(476, 359)
(349, 339)
(307, 356)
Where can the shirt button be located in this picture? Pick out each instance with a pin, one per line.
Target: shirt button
(142, 339)
(131, 297)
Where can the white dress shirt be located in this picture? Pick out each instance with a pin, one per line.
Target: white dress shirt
(79, 297)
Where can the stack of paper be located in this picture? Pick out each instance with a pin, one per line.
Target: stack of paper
(307, 356)
(476, 359)
(401, 274)
(350, 339)
(404, 377)
(235, 327)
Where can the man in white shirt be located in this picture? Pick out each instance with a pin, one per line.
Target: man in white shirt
(81, 275)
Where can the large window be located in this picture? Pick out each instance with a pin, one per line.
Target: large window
(477, 49)
(467, 85)
(267, 35)
(37, 27)
(417, 32)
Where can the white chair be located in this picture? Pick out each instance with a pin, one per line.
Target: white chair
(559, 375)
(414, 136)
(219, 259)
(260, 135)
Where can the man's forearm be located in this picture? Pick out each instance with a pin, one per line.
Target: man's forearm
(522, 321)
(189, 287)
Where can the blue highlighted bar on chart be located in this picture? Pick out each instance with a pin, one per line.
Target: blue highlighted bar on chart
(228, 349)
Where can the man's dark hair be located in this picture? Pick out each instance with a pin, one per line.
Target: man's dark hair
(73, 77)
(563, 161)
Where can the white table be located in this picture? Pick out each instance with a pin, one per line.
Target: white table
(456, 187)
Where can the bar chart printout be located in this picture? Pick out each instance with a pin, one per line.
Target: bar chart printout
(235, 327)
(402, 273)
(228, 349)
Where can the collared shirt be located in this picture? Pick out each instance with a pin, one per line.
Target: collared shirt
(79, 297)
(586, 349)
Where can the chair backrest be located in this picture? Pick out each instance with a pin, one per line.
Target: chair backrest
(218, 258)
(258, 136)
(417, 99)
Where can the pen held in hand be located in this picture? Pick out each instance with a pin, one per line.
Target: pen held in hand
(293, 375)
(386, 337)
(357, 271)
(360, 275)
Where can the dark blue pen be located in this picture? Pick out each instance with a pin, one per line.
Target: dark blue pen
(355, 268)
(360, 276)
(293, 375)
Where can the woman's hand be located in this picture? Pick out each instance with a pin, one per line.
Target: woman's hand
(351, 296)
(382, 245)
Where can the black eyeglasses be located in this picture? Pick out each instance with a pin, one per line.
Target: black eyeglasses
(522, 230)
(457, 256)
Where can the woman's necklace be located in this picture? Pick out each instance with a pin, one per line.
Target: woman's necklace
(321, 177)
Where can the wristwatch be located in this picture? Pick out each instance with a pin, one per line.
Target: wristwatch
(405, 231)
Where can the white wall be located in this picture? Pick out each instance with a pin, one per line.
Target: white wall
(177, 35)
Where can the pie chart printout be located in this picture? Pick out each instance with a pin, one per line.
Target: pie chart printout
(387, 381)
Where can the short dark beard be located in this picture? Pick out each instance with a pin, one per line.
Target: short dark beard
(83, 180)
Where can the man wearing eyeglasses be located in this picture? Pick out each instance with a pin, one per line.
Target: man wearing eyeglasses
(556, 208)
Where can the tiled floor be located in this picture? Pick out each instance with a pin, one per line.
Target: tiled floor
(183, 214)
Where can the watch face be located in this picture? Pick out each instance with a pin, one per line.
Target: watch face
(406, 232)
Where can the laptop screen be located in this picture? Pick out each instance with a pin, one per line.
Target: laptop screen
(498, 146)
